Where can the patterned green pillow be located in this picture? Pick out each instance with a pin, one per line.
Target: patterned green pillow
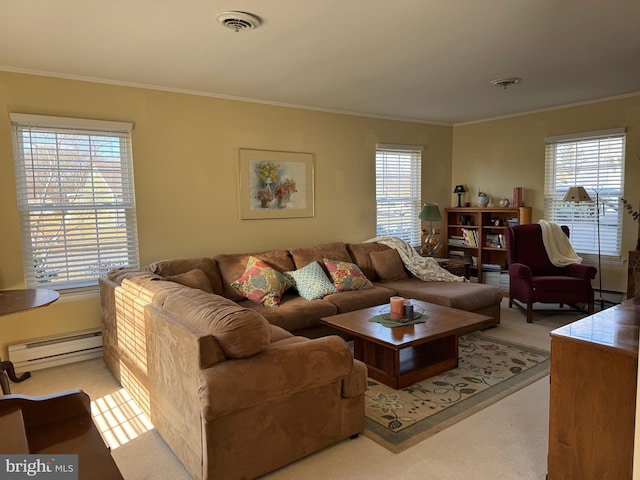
(347, 276)
(311, 281)
(261, 283)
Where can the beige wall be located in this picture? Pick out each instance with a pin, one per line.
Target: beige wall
(496, 156)
(185, 161)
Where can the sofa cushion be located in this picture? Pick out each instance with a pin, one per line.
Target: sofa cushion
(195, 278)
(167, 268)
(305, 256)
(294, 312)
(232, 266)
(357, 299)
(311, 281)
(147, 288)
(388, 265)
(360, 255)
(461, 295)
(346, 275)
(278, 333)
(261, 283)
(241, 332)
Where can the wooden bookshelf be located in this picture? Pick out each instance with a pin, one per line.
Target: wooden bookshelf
(479, 233)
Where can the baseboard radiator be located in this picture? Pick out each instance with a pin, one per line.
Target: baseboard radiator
(49, 352)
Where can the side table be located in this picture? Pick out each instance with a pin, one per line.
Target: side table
(15, 301)
(459, 267)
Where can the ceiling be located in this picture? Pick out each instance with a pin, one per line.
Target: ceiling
(419, 60)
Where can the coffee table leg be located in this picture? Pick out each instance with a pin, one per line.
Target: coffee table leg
(401, 368)
(382, 363)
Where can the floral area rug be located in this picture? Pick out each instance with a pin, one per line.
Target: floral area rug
(488, 370)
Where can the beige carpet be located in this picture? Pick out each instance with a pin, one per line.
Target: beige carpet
(507, 440)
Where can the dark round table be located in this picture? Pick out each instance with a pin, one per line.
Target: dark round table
(16, 301)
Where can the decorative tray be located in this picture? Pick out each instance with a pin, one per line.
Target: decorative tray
(418, 311)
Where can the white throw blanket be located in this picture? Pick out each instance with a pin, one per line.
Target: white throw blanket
(557, 244)
(425, 268)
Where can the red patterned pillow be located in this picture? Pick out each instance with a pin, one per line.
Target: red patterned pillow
(261, 283)
(346, 276)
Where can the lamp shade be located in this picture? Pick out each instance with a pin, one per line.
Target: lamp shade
(430, 212)
(459, 189)
(577, 194)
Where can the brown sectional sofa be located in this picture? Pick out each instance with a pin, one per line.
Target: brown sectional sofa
(238, 389)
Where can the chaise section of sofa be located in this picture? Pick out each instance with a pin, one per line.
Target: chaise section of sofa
(472, 297)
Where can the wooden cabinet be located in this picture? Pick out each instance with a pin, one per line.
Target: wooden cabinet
(594, 365)
(478, 233)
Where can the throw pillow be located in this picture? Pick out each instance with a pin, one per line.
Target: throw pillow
(261, 283)
(195, 278)
(346, 275)
(311, 281)
(388, 265)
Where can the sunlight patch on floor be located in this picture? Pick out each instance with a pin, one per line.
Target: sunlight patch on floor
(119, 418)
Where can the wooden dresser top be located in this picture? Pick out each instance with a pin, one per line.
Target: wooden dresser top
(615, 328)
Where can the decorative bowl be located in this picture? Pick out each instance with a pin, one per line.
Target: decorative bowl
(418, 311)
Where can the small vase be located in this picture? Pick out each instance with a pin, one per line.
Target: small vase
(483, 199)
(264, 203)
(282, 202)
(504, 202)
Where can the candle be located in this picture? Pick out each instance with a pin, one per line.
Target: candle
(397, 308)
(408, 310)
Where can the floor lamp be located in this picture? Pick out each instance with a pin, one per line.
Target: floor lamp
(579, 194)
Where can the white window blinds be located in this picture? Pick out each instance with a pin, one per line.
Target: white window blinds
(398, 185)
(76, 199)
(594, 161)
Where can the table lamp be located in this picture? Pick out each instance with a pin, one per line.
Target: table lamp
(459, 190)
(430, 213)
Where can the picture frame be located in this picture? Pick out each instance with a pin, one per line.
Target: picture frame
(275, 184)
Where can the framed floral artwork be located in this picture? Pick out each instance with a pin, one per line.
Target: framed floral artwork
(275, 184)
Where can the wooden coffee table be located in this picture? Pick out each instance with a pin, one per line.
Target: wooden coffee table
(402, 356)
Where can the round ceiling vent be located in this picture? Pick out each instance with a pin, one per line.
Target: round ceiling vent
(238, 21)
(505, 82)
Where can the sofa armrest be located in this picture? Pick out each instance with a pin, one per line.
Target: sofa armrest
(200, 343)
(580, 270)
(520, 270)
(356, 382)
(275, 373)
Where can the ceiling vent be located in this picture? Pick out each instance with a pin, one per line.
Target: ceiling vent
(239, 21)
(505, 82)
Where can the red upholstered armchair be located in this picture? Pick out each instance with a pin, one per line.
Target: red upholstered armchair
(533, 278)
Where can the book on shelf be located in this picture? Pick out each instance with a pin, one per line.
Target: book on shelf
(494, 240)
(457, 240)
(491, 278)
(470, 237)
(504, 281)
(491, 267)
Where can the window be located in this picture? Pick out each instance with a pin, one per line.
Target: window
(76, 200)
(398, 171)
(594, 161)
